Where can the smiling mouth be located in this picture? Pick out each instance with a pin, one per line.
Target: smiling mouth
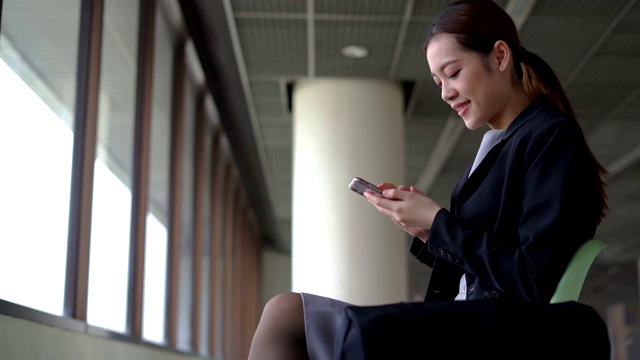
(460, 108)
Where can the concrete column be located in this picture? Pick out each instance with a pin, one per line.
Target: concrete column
(342, 247)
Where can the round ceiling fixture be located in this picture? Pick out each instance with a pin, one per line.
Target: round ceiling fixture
(354, 51)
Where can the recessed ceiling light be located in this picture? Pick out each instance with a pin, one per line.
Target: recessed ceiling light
(354, 51)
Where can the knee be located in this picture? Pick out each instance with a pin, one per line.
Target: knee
(280, 333)
(284, 305)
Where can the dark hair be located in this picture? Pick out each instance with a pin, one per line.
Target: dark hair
(477, 25)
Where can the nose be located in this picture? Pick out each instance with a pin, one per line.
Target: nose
(447, 92)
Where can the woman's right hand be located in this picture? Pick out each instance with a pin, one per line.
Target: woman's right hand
(419, 232)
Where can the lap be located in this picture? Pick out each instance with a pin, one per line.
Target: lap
(498, 329)
(321, 316)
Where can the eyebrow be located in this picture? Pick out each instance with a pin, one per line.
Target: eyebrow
(444, 65)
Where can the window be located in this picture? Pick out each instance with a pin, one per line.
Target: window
(186, 171)
(153, 326)
(38, 55)
(111, 213)
(38, 69)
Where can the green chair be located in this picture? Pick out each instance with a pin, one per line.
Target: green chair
(570, 284)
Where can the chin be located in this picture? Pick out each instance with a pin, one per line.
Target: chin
(472, 125)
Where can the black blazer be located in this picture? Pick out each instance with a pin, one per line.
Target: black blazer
(514, 224)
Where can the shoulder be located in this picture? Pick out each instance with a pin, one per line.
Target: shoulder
(543, 131)
(541, 119)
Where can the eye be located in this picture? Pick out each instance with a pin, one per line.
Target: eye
(437, 81)
(454, 75)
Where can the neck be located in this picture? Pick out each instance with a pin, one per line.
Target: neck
(518, 102)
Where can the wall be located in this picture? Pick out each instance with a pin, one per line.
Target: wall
(276, 274)
(27, 340)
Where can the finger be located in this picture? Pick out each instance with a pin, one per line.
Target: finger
(377, 200)
(386, 185)
(369, 195)
(394, 194)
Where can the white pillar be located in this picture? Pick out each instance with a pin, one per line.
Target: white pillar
(342, 247)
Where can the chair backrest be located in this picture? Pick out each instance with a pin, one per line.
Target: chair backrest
(570, 284)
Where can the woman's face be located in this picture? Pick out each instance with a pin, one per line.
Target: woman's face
(470, 83)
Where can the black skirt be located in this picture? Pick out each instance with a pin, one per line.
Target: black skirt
(488, 328)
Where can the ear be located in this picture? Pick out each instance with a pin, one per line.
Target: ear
(501, 55)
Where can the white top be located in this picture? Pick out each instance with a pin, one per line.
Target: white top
(489, 140)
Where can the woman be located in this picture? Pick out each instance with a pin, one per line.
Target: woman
(533, 195)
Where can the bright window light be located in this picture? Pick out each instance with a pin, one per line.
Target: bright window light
(35, 158)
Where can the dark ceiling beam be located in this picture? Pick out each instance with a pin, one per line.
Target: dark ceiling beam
(208, 26)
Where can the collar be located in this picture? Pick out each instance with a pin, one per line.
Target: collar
(540, 103)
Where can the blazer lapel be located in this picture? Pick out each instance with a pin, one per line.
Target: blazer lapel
(469, 184)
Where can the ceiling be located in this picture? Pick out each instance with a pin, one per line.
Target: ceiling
(254, 50)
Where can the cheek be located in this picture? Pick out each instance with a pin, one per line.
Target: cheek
(486, 89)
(473, 84)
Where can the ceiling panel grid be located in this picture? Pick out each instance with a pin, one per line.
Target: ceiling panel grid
(273, 47)
(378, 36)
(360, 7)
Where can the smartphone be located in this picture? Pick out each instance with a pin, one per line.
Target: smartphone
(360, 185)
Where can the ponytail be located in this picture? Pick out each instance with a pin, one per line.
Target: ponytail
(539, 79)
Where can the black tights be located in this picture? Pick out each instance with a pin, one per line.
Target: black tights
(280, 334)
